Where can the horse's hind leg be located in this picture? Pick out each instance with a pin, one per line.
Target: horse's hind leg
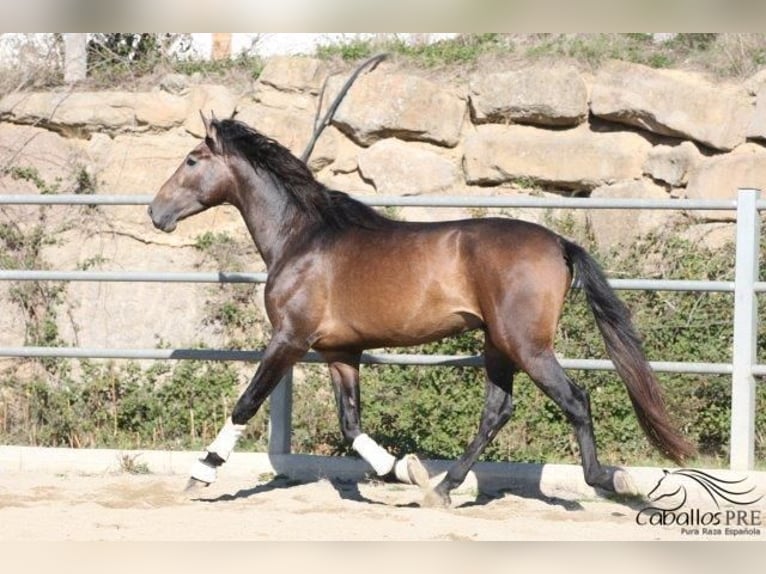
(498, 407)
(547, 373)
(344, 371)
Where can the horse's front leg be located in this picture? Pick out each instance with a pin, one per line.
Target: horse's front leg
(280, 355)
(344, 371)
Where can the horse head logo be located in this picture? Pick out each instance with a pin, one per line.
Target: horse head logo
(672, 488)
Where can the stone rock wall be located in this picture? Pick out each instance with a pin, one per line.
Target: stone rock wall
(625, 131)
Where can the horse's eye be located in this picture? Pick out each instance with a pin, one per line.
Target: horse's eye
(191, 162)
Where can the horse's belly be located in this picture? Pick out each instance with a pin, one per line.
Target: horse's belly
(397, 331)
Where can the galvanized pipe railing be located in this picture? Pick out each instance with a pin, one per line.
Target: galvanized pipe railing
(743, 367)
(489, 201)
(260, 277)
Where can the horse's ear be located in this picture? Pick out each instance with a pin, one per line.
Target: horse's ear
(205, 122)
(211, 131)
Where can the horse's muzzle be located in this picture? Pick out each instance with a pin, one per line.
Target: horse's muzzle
(164, 222)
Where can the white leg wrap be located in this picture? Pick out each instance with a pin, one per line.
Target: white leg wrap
(410, 470)
(203, 472)
(226, 440)
(373, 453)
(402, 472)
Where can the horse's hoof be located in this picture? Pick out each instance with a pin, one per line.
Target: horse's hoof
(203, 472)
(433, 499)
(194, 485)
(623, 484)
(417, 472)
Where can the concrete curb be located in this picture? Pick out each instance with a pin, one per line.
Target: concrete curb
(526, 479)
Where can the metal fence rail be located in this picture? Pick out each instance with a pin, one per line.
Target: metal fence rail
(367, 358)
(421, 201)
(238, 277)
(743, 368)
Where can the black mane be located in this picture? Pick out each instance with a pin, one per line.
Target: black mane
(333, 209)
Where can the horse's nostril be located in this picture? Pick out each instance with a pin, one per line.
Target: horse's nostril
(149, 210)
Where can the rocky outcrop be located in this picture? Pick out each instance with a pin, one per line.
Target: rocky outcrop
(570, 159)
(78, 114)
(612, 227)
(395, 167)
(397, 105)
(672, 164)
(720, 178)
(52, 156)
(294, 75)
(756, 129)
(673, 103)
(536, 95)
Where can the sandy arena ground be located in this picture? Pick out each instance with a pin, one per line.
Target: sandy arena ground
(52, 495)
(36, 506)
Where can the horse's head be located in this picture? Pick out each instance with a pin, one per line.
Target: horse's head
(668, 486)
(701, 483)
(203, 180)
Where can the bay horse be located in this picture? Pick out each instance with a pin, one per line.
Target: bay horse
(343, 278)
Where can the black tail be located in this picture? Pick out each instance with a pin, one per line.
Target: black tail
(626, 351)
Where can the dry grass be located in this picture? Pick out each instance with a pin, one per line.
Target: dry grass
(32, 62)
(720, 56)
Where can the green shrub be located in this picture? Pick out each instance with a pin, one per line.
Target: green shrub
(124, 406)
(463, 49)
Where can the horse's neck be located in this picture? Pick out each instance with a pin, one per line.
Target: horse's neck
(269, 214)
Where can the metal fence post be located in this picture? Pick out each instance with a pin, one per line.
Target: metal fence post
(281, 416)
(744, 352)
